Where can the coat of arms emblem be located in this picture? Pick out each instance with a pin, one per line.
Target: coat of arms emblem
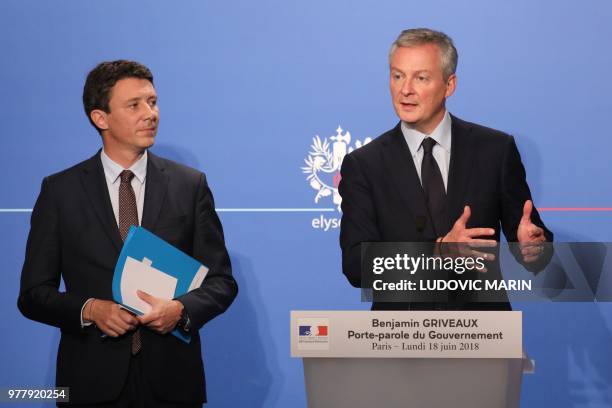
(324, 161)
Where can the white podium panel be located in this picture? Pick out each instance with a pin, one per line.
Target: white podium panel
(410, 358)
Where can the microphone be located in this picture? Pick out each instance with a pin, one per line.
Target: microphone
(420, 222)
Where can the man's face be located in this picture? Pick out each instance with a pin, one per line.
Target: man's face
(418, 88)
(131, 124)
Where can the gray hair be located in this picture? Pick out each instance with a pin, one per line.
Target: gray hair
(419, 36)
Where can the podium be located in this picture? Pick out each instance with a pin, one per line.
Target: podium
(477, 369)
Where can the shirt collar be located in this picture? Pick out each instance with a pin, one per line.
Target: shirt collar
(112, 170)
(441, 134)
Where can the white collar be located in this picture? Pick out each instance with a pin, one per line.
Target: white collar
(112, 170)
(441, 134)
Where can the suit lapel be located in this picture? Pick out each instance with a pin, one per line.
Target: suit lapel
(94, 184)
(460, 168)
(399, 163)
(155, 191)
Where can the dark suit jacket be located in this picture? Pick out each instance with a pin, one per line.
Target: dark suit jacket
(383, 201)
(74, 236)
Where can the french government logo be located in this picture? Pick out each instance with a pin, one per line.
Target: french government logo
(313, 334)
(322, 171)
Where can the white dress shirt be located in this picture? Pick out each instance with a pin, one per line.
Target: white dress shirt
(441, 150)
(112, 171)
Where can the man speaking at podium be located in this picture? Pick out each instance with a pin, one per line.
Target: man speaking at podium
(434, 177)
(108, 357)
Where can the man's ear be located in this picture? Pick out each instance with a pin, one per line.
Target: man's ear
(99, 118)
(451, 84)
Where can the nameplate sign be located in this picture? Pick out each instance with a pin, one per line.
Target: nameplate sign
(407, 334)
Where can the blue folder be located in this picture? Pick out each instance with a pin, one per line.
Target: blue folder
(160, 258)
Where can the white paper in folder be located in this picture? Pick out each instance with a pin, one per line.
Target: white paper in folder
(140, 275)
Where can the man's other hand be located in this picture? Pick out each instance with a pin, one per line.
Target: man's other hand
(461, 241)
(460, 233)
(529, 235)
(113, 320)
(164, 313)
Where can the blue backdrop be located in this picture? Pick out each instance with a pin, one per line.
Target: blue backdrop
(244, 87)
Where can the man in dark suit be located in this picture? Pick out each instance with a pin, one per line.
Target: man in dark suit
(106, 355)
(434, 177)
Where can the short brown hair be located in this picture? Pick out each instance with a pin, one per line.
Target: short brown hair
(101, 79)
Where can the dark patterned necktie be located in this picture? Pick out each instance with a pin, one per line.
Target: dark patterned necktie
(128, 216)
(433, 186)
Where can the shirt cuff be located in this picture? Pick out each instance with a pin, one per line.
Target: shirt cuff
(83, 323)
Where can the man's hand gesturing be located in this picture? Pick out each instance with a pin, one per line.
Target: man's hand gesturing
(529, 235)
